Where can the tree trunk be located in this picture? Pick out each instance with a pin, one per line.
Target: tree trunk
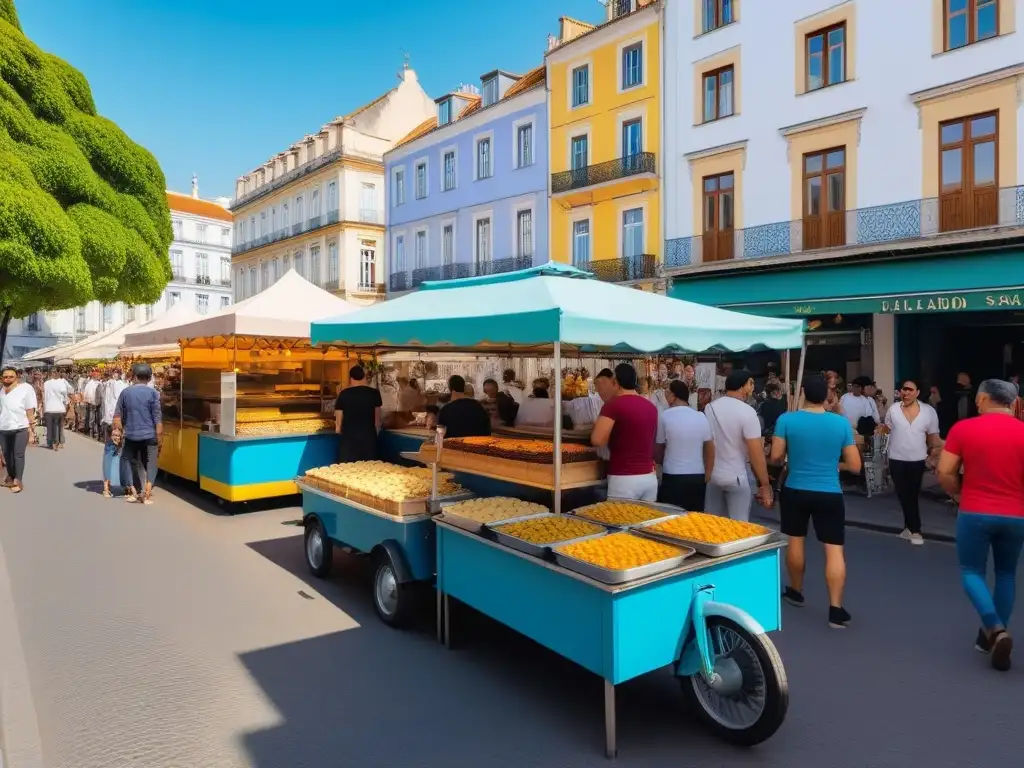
(5, 321)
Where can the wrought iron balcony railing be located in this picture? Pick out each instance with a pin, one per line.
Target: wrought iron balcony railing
(404, 281)
(588, 176)
(314, 222)
(864, 228)
(288, 232)
(294, 173)
(201, 280)
(643, 266)
(370, 216)
(331, 285)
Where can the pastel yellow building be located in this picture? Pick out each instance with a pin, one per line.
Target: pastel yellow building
(604, 150)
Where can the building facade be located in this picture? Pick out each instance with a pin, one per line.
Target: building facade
(467, 189)
(318, 206)
(870, 182)
(605, 86)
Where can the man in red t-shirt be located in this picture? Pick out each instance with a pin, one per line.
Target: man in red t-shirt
(990, 449)
(628, 426)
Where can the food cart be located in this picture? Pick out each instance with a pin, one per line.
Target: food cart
(248, 404)
(705, 615)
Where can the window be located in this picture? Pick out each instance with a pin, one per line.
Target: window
(149, 312)
(581, 243)
(524, 145)
(718, 94)
(177, 265)
(332, 264)
(202, 303)
(80, 319)
(263, 223)
(447, 245)
(579, 152)
(581, 86)
(287, 263)
(314, 208)
(524, 234)
(421, 180)
(400, 263)
(315, 276)
(108, 316)
(273, 221)
(252, 228)
(826, 57)
(490, 91)
(202, 269)
(240, 285)
(225, 236)
(32, 322)
(129, 315)
(368, 203)
(633, 232)
(200, 232)
(252, 281)
(420, 255)
(399, 193)
(275, 269)
(367, 268)
(225, 271)
(173, 297)
(225, 302)
(332, 196)
(632, 144)
(298, 213)
(444, 112)
(718, 217)
(825, 199)
(300, 265)
(264, 275)
(177, 226)
(969, 21)
(716, 13)
(285, 221)
(483, 241)
(968, 177)
(241, 232)
(632, 66)
(449, 170)
(483, 159)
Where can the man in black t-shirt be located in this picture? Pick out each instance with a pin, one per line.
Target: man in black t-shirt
(463, 416)
(357, 418)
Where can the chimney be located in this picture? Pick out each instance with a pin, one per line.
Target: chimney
(195, 187)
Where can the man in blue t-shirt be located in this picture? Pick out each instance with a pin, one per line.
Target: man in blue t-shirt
(138, 417)
(816, 446)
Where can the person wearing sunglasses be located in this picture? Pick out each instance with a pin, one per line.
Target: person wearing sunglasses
(17, 416)
(913, 429)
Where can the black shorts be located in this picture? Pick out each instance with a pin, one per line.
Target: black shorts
(826, 510)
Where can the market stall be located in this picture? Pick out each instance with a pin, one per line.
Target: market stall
(617, 601)
(249, 404)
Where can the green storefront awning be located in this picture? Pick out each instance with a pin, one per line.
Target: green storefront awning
(963, 283)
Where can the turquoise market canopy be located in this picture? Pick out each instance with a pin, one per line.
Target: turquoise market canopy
(534, 308)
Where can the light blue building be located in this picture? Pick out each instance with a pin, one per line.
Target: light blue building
(467, 189)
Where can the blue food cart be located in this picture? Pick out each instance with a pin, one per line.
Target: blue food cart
(708, 617)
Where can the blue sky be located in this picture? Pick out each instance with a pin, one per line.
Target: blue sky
(216, 87)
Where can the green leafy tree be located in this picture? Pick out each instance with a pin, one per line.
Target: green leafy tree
(83, 212)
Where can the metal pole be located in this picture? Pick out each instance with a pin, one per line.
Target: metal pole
(800, 374)
(787, 380)
(557, 463)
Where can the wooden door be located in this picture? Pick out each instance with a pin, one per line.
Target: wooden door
(718, 217)
(969, 172)
(824, 217)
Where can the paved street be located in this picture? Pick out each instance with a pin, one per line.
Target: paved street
(174, 637)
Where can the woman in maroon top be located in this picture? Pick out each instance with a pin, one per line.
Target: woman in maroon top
(628, 426)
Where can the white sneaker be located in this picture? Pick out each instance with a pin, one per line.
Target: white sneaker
(917, 539)
(905, 534)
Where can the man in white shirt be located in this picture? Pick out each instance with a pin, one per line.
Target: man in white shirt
(17, 414)
(510, 387)
(110, 390)
(538, 410)
(90, 390)
(857, 407)
(913, 429)
(685, 450)
(56, 397)
(739, 452)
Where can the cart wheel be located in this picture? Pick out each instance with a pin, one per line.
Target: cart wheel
(750, 701)
(319, 549)
(391, 599)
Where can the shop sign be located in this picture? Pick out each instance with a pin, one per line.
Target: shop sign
(968, 301)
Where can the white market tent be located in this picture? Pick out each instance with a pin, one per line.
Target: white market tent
(284, 310)
(103, 346)
(179, 314)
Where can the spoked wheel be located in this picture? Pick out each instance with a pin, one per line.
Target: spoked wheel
(748, 702)
(319, 549)
(391, 598)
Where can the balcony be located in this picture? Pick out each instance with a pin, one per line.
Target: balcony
(288, 232)
(314, 222)
(601, 173)
(643, 266)
(201, 280)
(370, 216)
(331, 285)
(332, 216)
(863, 230)
(286, 178)
(374, 288)
(405, 281)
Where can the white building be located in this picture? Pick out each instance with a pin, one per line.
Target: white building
(853, 163)
(200, 257)
(318, 206)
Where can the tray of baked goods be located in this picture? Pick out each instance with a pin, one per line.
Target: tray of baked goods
(620, 557)
(710, 535)
(382, 486)
(280, 425)
(530, 461)
(624, 513)
(474, 515)
(538, 535)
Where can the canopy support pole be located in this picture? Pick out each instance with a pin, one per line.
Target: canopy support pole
(800, 376)
(557, 463)
(786, 367)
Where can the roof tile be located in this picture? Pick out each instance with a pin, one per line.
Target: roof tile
(188, 204)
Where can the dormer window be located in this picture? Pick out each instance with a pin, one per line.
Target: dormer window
(490, 90)
(444, 112)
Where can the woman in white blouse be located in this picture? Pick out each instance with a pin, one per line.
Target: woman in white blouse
(17, 414)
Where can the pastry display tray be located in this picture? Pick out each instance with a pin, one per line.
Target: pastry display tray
(667, 511)
(537, 550)
(609, 576)
(475, 526)
(710, 550)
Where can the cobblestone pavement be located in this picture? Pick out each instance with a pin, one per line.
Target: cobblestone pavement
(174, 637)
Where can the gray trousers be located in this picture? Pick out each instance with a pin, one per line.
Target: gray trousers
(13, 444)
(54, 428)
(730, 495)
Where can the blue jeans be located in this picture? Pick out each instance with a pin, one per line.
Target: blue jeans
(975, 534)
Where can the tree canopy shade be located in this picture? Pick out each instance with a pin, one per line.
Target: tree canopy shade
(83, 209)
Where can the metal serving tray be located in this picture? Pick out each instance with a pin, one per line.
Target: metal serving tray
(710, 550)
(538, 550)
(609, 576)
(669, 511)
(474, 526)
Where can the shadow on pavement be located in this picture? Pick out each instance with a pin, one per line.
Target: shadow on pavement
(375, 696)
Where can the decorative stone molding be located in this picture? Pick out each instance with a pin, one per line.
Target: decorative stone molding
(959, 86)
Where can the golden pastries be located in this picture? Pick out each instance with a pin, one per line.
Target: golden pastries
(493, 509)
(620, 513)
(532, 451)
(381, 480)
(620, 551)
(707, 529)
(549, 530)
(290, 427)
